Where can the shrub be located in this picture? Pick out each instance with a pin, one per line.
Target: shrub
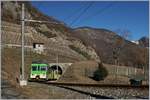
(100, 73)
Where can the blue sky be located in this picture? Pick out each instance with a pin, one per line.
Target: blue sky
(112, 15)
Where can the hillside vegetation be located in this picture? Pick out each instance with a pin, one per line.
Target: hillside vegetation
(55, 34)
(105, 42)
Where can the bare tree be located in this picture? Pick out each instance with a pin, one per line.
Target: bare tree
(119, 42)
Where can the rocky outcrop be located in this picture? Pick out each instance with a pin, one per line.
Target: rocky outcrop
(88, 49)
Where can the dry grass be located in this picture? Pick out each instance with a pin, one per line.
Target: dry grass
(79, 71)
(11, 62)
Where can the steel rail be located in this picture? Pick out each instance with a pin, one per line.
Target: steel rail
(91, 85)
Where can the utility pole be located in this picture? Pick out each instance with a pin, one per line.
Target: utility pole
(22, 42)
(23, 20)
(22, 80)
(57, 63)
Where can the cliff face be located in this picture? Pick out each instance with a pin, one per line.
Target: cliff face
(56, 37)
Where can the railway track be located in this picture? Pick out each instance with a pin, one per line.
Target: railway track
(91, 85)
(98, 91)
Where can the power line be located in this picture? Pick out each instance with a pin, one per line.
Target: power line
(72, 15)
(98, 12)
(90, 4)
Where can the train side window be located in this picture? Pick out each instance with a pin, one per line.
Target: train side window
(39, 67)
(34, 68)
(43, 68)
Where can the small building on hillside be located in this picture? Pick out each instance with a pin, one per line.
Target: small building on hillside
(38, 47)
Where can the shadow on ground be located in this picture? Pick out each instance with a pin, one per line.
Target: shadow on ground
(9, 92)
(141, 97)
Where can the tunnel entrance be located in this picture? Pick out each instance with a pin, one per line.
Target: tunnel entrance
(55, 71)
(54, 68)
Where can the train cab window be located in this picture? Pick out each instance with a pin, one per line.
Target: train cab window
(43, 68)
(38, 68)
(34, 68)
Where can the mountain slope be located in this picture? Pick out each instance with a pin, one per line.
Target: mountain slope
(55, 35)
(81, 43)
(104, 42)
(144, 42)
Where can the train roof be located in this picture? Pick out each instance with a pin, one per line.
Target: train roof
(40, 62)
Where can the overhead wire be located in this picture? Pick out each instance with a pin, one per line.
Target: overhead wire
(84, 10)
(97, 13)
(72, 15)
